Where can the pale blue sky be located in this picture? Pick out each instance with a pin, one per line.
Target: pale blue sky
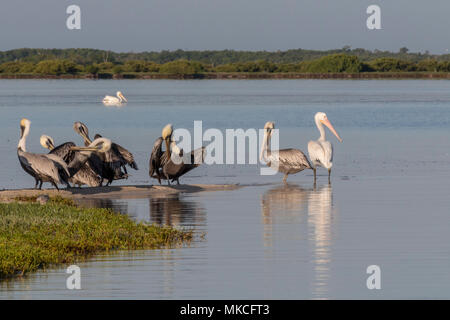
(138, 25)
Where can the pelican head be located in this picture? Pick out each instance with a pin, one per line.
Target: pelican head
(167, 132)
(24, 130)
(268, 127)
(47, 142)
(321, 117)
(101, 145)
(24, 124)
(82, 130)
(120, 96)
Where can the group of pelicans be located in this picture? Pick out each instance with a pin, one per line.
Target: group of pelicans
(101, 159)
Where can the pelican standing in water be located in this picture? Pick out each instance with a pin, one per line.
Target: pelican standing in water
(114, 101)
(162, 165)
(85, 174)
(287, 161)
(42, 167)
(321, 150)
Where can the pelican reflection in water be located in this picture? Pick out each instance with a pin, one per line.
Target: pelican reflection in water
(312, 207)
(174, 210)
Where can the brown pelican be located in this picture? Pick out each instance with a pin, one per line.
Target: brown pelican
(85, 175)
(287, 161)
(43, 167)
(121, 155)
(321, 151)
(162, 164)
(114, 101)
(106, 165)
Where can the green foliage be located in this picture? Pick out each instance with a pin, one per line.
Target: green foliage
(392, 65)
(34, 236)
(429, 65)
(335, 63)
(141, 66)
(57, 67)
(16, 67)
(182, 67)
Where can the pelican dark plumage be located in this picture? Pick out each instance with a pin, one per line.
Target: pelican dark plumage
(173, 163)
(85, 174)
(287, 161)
(122, 155)
(106, 165)
(42, 167)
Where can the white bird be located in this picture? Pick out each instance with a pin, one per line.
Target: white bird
(287, 161)
(321, 151)
(114, 101)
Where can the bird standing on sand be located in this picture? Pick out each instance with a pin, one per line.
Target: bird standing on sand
(162, 164)
(321, 150)
(287, 161)
(85, 175)
(42, 167)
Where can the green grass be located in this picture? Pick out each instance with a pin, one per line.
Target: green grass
(34, 236)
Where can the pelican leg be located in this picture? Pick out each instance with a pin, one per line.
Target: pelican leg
(178, 182)
(40, 185)
(36, 185)
(285, 178)
(54, 184)
(329, 176)
(315, 174)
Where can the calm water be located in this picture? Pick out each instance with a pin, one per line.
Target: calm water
(388, 204)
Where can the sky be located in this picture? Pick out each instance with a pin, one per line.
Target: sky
(155, 25)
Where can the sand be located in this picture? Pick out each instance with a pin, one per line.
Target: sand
(115, 192)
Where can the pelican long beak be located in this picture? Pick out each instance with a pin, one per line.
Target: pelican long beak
(124, 99)
(330, 126)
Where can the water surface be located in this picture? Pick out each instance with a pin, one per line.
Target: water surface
(387, 205)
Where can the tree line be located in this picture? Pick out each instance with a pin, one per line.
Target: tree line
(334, 63)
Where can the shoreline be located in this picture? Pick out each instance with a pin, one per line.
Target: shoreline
(238, 76)
(114, 192)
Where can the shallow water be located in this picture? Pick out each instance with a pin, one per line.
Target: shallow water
(388, 204)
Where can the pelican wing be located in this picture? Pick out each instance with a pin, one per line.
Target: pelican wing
(155, 158)
(321, 152)
(125, 156)
(290, 158)
(63, 151)
(46, 165)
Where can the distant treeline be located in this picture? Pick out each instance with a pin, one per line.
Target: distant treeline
(98, 62)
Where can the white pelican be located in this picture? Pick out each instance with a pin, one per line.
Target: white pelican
(287, 161)
(321, 151)
(114, 101)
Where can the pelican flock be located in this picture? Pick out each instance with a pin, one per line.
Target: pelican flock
(102, 159)
(118, 100)
(51, 167)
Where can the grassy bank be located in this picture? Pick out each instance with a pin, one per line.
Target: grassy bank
(34, 236)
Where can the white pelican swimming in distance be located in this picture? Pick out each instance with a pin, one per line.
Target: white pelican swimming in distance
(114, 101)
(287, 161)
(321, 150)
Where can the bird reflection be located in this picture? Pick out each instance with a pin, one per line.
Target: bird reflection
(312, 208)
(117, 206)
(173, 210)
